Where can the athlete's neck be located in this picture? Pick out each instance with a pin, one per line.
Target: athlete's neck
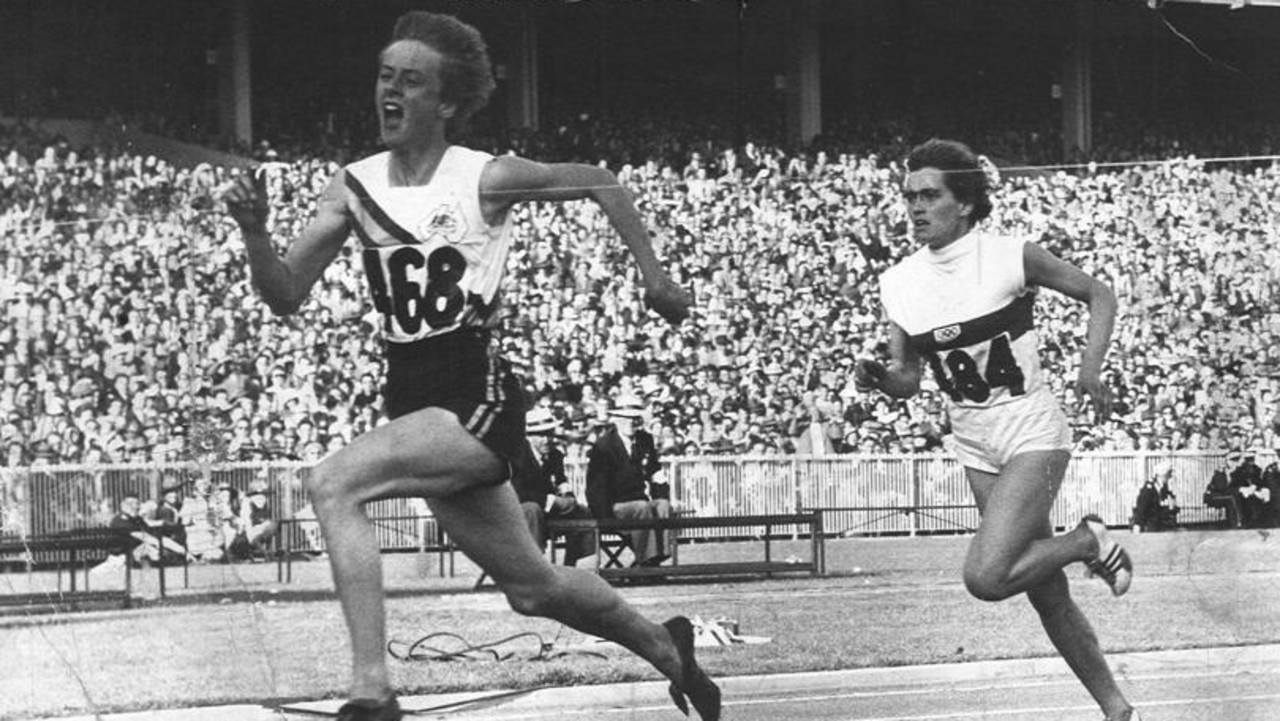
(415, 166)
(943, 241)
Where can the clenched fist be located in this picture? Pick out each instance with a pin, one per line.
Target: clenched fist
(668, 300)
(246, 200)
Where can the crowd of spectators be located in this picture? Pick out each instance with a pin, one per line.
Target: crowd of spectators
(129, 331)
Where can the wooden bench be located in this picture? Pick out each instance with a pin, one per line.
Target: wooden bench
(432, 539)
(71, 549)
(610, 542)
(1201, 516)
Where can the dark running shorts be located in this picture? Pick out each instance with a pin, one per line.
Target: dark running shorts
(459, 372)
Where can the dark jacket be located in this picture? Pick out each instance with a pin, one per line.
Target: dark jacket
(1146, 511)
(616, 476)
(534, 479)
(125, 523)
(1246, 474)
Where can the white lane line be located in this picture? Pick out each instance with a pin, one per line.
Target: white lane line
(887, 693)
(987, 713)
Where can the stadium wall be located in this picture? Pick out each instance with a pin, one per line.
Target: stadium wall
(888, 494)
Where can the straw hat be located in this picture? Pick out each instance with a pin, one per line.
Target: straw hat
(627, 407)
(171, 483)
(539, 421)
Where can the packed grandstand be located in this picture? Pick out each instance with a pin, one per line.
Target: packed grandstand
(130, 332)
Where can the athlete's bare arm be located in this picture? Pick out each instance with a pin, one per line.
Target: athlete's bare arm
(509, 180)
(285, 282)
(1046, 270)
(901, 378)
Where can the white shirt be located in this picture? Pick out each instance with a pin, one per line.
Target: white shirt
(433, 263)
(969, 314)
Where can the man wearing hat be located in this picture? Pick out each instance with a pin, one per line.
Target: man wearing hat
(1269, 494)
(257, 517)
(1219, 494)
(1155, 508)
(543, 488)
(1246, 478)
(620, 465)
(168, 512)
(204, 538)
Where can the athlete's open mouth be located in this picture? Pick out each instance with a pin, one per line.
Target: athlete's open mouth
(392, 114)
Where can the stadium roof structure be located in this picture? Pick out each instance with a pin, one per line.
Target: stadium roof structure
(1233, 4)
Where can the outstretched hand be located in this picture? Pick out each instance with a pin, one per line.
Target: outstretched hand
(668, 300)
(246, 199)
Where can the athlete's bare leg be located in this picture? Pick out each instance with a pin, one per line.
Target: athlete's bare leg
(486, 523)
(428, 454)
(1009, 554)
(995, 567)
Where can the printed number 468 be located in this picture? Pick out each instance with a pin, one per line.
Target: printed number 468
(397, 295)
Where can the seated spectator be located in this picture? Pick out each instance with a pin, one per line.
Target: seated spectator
(1269, 494)
(1169, 508)
(1157, 507)
(310, 525)
(1246, 480)
(257, 519)
(145, 547)
(165, 521)
(226, 509)
(620, 465)
(203, 531)
(1146, 509)
(1219, 494)
(543, 489)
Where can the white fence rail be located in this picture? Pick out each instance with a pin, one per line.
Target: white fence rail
(903, 494)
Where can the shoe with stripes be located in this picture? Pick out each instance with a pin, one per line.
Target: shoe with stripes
(1112, 564)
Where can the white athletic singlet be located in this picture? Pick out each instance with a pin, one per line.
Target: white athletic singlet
(432, 262)
(968, 312)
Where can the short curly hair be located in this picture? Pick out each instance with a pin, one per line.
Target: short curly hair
(963, 174)
(467, 73)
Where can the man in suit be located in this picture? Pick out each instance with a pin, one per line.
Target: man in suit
(543, 488)
(1219, 494)
(620, 465)
(1245, 481)
(1269, 494)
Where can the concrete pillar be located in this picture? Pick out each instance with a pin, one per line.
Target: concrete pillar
(235, 85)
(522, 76)
(1077, 85)
(804, 74)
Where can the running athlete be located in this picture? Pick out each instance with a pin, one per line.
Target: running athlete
(434, 225)
(962, 304)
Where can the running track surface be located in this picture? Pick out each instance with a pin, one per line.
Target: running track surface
(1233, 683)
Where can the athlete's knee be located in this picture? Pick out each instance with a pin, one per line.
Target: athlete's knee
(324, 485)
(986, 583)
(533, 599)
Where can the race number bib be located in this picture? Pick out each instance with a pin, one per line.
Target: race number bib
(413, 289)
(972, 374)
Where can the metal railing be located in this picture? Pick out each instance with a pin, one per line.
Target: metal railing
(882, 494)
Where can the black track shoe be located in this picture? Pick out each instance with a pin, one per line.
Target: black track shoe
(695, 684)
(370, 710)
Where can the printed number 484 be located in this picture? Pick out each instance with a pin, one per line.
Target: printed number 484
(961, 379)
